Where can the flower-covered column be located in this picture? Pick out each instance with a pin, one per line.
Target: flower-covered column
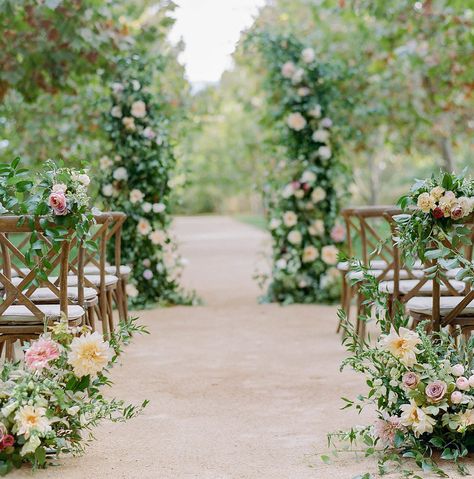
(136, 180)
(306, 189)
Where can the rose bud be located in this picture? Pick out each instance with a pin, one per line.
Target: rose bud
(462, 383)
(457, 213)
(457, 370)
(456, 397)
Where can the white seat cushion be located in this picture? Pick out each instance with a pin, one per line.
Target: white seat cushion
(406, 285)
(45, 294)
(355, 275)
(23, 314)
(124, 270)
(420, 304)
(110, 280)
(375, 264)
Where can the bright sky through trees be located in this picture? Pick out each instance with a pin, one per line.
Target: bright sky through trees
(210, 29)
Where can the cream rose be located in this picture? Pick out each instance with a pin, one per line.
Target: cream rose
(329, 254)
(425, 202)
(138, 109)
(296, 121)
(290, 218)
(294, 237)
(310, 253)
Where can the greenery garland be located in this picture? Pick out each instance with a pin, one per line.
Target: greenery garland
(304, 193)
(136, 180)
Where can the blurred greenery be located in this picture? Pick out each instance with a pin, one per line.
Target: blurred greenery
(408, 66)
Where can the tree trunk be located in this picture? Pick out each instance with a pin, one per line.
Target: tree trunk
(447, 154)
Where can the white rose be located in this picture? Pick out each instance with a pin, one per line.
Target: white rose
(290, 218)
(297, 76)
(149, 133)
(120, 174)
(146, 207)
(324, 152)
(326, 123)
(310, 253)
(131, 290)
(287, 191)
(274, 223)
(107, 190)
(288, 69)
(329, 254)
(308, 177)
(281, 263)
(321, 136)
(136, 85)
(59, 187)
(308, 55)
(294, 237)
(136, 196)
(129, 123)
(318, 195)
(143, 226)
(316, 228)
(138, 109)
(116, 111)
(117, 88)
(157, 237)
(159, 207)
(84, 179)
(296, 121)
(105, 163)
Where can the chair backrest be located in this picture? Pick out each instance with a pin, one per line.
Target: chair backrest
(367, 231)
(12, 246)
(467, 253)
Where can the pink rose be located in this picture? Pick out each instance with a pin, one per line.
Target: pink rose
(57, 201)
(457, 213)
(7, 441)
(40, 353)
(471, 381)
(338, 233)
(462, 383)
(435, 391)
(410, 380)
(456, 397)
(295, 185)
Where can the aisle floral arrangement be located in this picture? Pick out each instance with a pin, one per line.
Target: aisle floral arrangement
(50, 402)
(303, 208)
(421, 383)
(136, 179)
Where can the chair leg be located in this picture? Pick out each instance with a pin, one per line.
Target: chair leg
(110, 311)
(91, 317)
(103, 314)
(123, 283)
(10, 350)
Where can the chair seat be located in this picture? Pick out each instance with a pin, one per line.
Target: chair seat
(45, 294)
(424, 305)
(110, 279)
(406, 285)
(124, 270)
(375, 264)
(21, 314)
(404, 274)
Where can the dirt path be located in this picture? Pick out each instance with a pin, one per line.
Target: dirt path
(238, 390)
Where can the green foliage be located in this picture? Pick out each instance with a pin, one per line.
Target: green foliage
(305, 191)
(136, 180)
(52, 45)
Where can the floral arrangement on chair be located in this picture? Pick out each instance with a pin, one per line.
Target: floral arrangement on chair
(49, 404)
(56, 196)
(421, 382)
(306, 189)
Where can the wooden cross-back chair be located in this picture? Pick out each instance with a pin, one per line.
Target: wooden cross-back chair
(402, 289)
(447, 310)
(22, 317)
